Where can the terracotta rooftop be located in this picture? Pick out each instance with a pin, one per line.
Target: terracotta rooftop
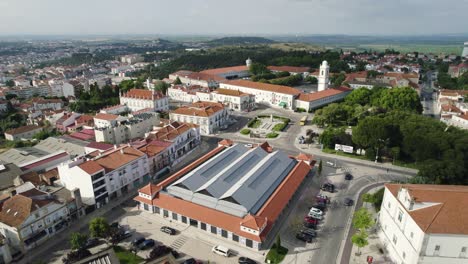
(265, 87)
(118, 158)
(309, 97)
(107, 117)
(22, 129)
(204, 109)
(448, 214)
(171, 131)
(230, 92)
(143, 94)
(253, 222)
(220, 71)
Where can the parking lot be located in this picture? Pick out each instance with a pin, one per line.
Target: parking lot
(188, 241)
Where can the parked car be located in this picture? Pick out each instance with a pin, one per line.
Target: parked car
(148, 243)
(310, 225)
(348, 202)
(221, 250)
(328, 187)
(137, 241)
(310, 219)
(348, 176)
(168, 230)
(115, 225)
(313, 215)
(315, 211)
(322, 199)
(175, 253)
(304, 237)
(245, 260)
(192, 261)
(320, 206)
(330, 163)
(309, 232)
(91, 242)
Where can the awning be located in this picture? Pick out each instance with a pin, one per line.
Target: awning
(283, 104)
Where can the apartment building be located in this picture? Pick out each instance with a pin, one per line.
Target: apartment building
(22, 133)
(424, 223)
(132, 127)
(208, 115)
(106, 176)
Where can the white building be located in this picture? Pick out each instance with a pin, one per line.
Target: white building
(135, 126)
(107, 176)
(190, 78)
(274, 95)
(131, 58)
(465, 50)
(425, 223)
(184, 93)
(29, 218)
(323, 78)
(208, 115)
(22, 133)
(311, 101)
(460, 121)
(138, 99)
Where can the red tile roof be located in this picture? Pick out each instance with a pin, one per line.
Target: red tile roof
(91, 167)
(107, 117)
(309, 97)
(42, 161)
(100, 146)
(204, 109)
(265, 87)
(448, 214)
(22, 129)
(220, 71)
(230, 92)
(253, 222)
(143, 94)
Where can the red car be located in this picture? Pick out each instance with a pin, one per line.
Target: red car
(311, 220)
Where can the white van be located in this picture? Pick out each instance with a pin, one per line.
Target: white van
(220, 250)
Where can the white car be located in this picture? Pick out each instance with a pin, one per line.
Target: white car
(220, 250)
(316, 216)
(316, 211)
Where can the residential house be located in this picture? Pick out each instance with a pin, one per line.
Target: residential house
(22, 133)
(208, 115)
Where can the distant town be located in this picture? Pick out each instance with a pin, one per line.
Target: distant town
(231, 150)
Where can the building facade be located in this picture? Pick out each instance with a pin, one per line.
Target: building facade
(209, 116)
(22, 133)
(138, 99)
(424, 223)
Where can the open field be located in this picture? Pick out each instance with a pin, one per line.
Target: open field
(405, 48)
(296, 46)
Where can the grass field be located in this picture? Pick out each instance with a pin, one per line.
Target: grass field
(127, 257)
(296, 46)
(405, 48)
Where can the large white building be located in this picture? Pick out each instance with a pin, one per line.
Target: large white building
(138, 99)
(134, 126)
(107, 176)
(273, 95)
(425, 223)
(311, 101)
(208, 115)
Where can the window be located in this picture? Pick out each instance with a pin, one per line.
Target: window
(436, 250)
(404, 255)
(203, 226)
(249, 243)
(213, 229)
(156, 209)
(145, 206)
(388, 205)
(174, 216)
(166, 213)
(184, 219)
(411, 235)
(224, 233)
(400, 216)
(463, 252)
(235, 238)
(437, 247)
(394, 239)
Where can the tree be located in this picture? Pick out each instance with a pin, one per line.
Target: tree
(162, 87)
(177, 81)
(362, 219)
(311, 80)
(320, 167)
(258, 69)
(10, 83)
(78, 240)
(360, 96)
(401, 98)
(99, 227)
(337, 79)
(360, 240)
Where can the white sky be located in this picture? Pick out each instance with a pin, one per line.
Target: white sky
(383, 17)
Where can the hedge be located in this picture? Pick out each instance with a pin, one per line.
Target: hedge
(279, 127)
(272, 135)
(245, 131)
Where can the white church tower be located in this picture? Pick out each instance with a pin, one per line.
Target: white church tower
(248, 62)
(323, 76)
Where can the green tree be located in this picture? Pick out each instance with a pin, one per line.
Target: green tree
(360, 96)
(78, 240)
(258, 69)
(311, 80)
(362, 219)
(10, 83)
(162, 87)
(338, 79)
(360, 240)
(369, 132)
(99, 227)
(401, 98)
(177, 81)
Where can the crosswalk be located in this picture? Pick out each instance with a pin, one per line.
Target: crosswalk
(179, 242)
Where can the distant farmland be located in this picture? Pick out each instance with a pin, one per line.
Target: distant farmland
(405, 48)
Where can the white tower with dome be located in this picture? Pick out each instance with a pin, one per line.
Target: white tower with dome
(323, 78)
(248, 62)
